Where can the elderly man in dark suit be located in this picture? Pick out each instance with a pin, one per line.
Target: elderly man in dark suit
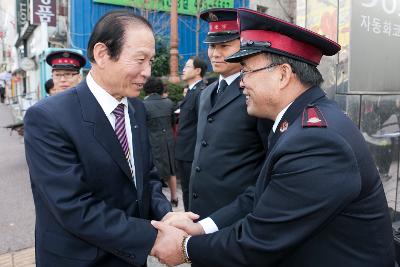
(193, 74)
(89, 156)
(318, 200)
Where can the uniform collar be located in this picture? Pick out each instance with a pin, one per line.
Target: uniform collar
(229, 79)
(279, 117)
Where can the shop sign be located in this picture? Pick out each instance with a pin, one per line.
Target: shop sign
(22, 14)
(374, 49)
(27, 64)
(186, 7)
(44, 11)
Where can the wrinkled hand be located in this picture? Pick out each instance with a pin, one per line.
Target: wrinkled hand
(171, 217)
(184, 221)
(189, 227)
(168, 245)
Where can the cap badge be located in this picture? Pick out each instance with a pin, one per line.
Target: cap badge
(65, 54)
(283, 126)
(212, 17)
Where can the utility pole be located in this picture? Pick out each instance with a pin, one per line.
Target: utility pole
(173, 61)
(199, 3)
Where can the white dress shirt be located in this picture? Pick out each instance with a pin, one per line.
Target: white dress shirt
(193, 84)
(229, 79)
(108, 103)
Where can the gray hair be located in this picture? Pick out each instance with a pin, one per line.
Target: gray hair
(307, 74)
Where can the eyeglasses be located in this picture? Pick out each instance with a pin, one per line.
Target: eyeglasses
(66, 75)
(245, 72)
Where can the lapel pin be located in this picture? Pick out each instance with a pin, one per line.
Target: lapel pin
(284, 126)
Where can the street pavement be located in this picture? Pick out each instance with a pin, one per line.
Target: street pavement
(17, 212)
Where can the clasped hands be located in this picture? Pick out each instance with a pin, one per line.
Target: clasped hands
(171, 231)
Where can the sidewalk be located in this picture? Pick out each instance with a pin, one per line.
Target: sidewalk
(22, 258)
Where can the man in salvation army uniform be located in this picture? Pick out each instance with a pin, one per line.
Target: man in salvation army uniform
(231, 144)
(318, 200)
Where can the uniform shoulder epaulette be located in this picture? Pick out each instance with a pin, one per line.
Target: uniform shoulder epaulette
(313, 117)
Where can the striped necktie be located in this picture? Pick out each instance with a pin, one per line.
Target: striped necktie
(120, 131)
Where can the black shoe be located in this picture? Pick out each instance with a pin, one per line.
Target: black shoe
(174, 202)
(385, 177)
(164, 184)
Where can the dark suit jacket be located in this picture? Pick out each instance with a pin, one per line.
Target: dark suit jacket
(187, 127)
(88, 211)
(229, 152)
(318, 201)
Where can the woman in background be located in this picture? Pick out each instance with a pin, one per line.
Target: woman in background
(160, 122)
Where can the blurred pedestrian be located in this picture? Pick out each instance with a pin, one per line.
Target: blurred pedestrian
(65, 69)
(2, 93)
(160, 122)
(193, 73)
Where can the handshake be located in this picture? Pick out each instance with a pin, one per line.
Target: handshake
(173, 229)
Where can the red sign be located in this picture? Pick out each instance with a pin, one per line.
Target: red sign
(44, 11)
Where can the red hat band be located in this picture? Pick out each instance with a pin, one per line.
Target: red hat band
(65, 61)
(223, 26)
(284, 43)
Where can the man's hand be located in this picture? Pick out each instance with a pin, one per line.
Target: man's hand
(184, 221)
(168, 245)
(178, 216)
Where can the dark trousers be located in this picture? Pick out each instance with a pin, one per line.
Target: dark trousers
(183, 169)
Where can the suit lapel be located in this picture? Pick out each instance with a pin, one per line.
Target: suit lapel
(102, 129)
(205, 98)
(231, 92)
(137, 149)
(190, 92)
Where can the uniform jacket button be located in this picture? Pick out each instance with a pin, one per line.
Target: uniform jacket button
(210, 119)
(204, 143)
(197, 169)
(195, 195)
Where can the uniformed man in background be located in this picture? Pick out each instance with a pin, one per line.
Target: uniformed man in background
(230, 144)
(65, 67)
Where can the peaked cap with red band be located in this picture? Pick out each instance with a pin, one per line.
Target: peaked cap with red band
(65, 60)
(223, 25)
(263, 33)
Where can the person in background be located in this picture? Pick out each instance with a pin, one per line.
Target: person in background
(318, 200)
(230, 144)
(49, 87)
(2, 93)
(160, 122)
(65, 67)
(193, 73)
